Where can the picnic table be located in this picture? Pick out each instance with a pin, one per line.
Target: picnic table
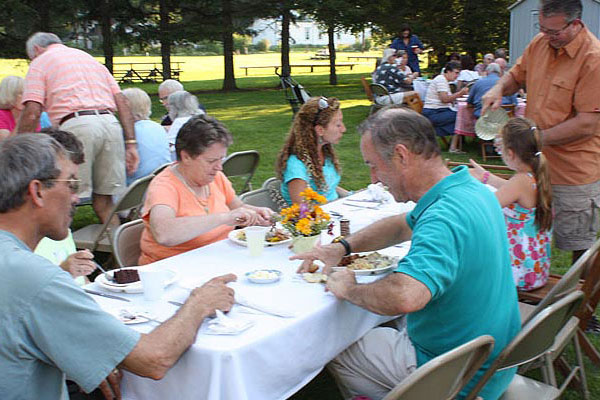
(277, 355)
(144, 71)
(311, 66)
(358, 58)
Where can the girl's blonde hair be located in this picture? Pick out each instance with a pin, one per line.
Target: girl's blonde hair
(522, 137)
(10, 88)
(303, 141)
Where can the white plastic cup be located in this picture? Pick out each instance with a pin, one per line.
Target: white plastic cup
(255, 239)
(153, 283)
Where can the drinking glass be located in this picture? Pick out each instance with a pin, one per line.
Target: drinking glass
(255, 239)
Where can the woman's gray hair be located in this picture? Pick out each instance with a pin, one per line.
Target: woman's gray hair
(139, 103)
(40, 39)
(170, 86)
(571, 9)
(24, 158)
(199, 133)
(183, 104)
(399, 125)
(10, 88)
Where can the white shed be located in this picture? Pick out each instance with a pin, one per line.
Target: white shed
(524, 16)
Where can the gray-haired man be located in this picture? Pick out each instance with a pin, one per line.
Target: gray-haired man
(49, 327)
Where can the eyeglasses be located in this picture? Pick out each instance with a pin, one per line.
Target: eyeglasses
(553, 32)
(323, 104)
(214, 161)
(72, 183)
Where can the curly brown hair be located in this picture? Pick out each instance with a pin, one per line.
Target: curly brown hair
(303, 142)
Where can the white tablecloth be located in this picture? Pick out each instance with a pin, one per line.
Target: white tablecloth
(275, 357)
(421, 87)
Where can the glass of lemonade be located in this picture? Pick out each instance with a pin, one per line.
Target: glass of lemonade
(255, 239)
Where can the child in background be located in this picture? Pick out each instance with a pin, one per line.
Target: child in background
(526, 199)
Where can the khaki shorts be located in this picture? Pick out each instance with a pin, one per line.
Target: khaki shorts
(576, 215)
(103, 171)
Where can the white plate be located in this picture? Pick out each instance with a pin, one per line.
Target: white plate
(263, 280)
(133, 287)
(233, 237)
(374, 271)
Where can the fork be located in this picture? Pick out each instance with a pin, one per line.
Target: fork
(106, 275)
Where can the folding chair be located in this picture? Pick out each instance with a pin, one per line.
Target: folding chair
(414, 102)
(378, 90)
(242, 164)
(98, 236)
(160, 169)
(294, 92)
(367, 88)
(444, 376)
(532, 342)
(126, 243)
(269, 195)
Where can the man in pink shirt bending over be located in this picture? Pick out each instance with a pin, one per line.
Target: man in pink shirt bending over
(81, 96)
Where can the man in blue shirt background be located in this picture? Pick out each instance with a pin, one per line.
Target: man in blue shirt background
(494, 72)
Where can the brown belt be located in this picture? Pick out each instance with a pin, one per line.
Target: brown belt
(81, 113)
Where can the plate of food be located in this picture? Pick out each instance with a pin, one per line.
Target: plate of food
(127, 280)
(264, 276)
(273, 237)
(368, 264)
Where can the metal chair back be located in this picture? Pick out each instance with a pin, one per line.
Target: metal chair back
(444, 376)
(126, 243)
(242, 164)
(535, 338)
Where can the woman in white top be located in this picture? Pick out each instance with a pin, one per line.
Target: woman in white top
(467, 73)
(182, 106)
(438, 101)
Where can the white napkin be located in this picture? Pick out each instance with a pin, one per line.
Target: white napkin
(224, 325)
(378, 193)
(272, 309)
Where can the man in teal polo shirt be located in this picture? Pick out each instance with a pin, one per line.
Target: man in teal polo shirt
(455, 283)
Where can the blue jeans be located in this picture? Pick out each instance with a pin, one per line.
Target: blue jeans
(443, 120)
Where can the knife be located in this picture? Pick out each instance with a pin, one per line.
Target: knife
(110, 296)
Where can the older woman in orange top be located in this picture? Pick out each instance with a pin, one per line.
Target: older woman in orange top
(191, 203)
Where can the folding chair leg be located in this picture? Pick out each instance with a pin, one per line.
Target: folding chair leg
(588, 348)
(549, 371)
(579, 357)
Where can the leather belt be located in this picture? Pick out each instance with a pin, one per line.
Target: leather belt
(82, 113)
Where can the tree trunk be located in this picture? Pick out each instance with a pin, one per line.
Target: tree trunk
(229, 78)
(285, 40)
(332, 75)
(107, 45)
(44, 13)
(165, 39)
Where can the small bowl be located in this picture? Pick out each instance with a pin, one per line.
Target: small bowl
(263, 276)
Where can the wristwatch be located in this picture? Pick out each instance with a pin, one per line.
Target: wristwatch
(343, 242)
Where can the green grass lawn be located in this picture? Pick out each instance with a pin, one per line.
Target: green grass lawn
(259, 118)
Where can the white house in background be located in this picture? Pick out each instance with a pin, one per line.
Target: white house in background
(302, 32)
(524, 17)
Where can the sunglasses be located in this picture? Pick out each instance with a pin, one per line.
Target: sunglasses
(323, 104)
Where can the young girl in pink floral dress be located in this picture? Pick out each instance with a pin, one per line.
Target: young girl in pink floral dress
(526, 199)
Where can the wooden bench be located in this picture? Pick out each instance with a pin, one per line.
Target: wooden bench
(311, 66)
(144, 72)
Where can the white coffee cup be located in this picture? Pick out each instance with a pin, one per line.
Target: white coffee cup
(255, 239)
(153, 282)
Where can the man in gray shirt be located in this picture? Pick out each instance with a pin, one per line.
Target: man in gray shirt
(49, 327)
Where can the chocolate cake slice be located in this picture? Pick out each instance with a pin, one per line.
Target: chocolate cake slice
(126, 276)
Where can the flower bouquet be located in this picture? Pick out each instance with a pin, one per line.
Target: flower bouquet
(305, 220)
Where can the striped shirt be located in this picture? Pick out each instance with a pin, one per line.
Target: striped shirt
(64, 80)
